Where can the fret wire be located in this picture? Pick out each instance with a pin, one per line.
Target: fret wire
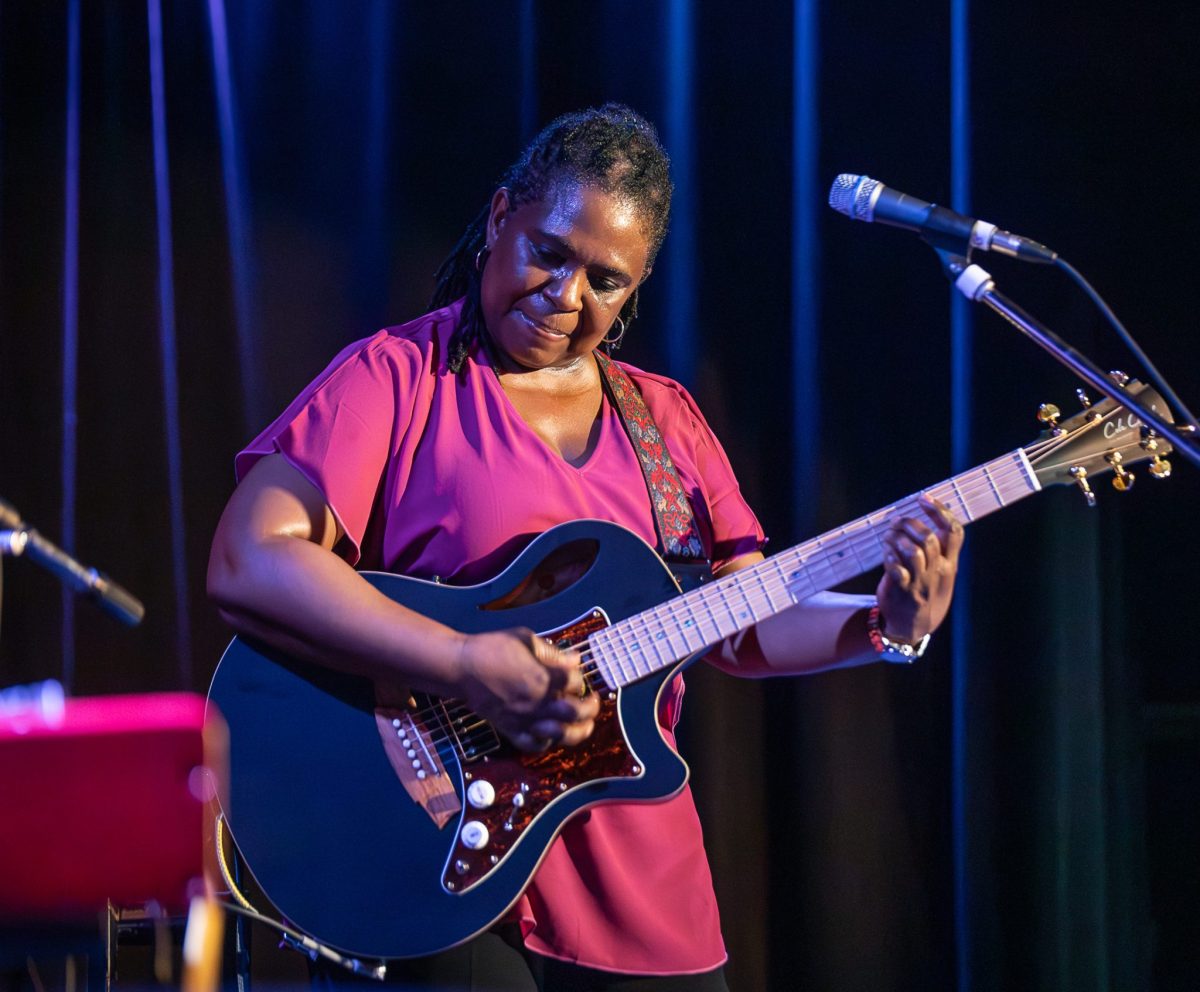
(784, 588)
(679, 639)
(992, 482)
(597, 643)
(819, 560)
(602, 647)
(666, 619)
(688, 631)
(694, 615)
(1009, 484)
(734, 623)
(740, 581)
(647, 641)
(822, 565)
(965, 509)
(760, 576)
(618, 654)
(748, 603)
(625, 637)
(653, 636)
(663, 618)
(845, 545)
(845, 532)
(637, 647)
(629, 650)
(796, 573)
(704, 596)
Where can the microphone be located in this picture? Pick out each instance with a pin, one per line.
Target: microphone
(19, 538)
(866, 199)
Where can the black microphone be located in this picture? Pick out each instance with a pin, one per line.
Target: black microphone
(94, 585)
(866, 199)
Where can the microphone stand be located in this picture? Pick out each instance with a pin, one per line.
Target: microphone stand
(978, 286)
(17, 537)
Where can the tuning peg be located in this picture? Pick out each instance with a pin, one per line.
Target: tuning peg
(1123, 479)
(1048, 414)
(1084, 401)
(1119, 377)
(1079, 474)
(1160, 468)
(1149, 441)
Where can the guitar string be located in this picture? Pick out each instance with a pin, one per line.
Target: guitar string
(986, 480)
(990, 480)
(857, 542)
(590, 671)
(862, 540)
(443, 733)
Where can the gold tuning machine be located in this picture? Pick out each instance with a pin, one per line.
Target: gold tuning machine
(1084, 400)
(1123, 479)
(1160, 468)
(1119, 377)
(1149, 441)
(1048, 414)
(1079, 474)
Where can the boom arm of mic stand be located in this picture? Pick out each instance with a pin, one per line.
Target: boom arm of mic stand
(17, 537)
(979, 287)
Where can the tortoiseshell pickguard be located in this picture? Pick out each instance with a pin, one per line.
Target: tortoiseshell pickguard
(525, 783)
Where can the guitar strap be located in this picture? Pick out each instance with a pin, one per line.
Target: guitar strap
(678, 536)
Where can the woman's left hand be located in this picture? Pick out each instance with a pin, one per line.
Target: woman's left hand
(920, 563)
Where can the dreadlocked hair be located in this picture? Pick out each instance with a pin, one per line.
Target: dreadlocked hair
(613, 149)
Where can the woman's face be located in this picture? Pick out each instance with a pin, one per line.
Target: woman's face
(559, 271)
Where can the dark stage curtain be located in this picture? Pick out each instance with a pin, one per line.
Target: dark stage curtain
(194, 219)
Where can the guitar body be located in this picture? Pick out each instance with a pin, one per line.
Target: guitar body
(331, 819)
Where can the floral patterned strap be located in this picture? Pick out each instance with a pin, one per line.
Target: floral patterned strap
(677, 533)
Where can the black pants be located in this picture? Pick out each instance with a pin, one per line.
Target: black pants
(496, 961)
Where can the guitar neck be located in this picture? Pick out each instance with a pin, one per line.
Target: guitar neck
(657, 638)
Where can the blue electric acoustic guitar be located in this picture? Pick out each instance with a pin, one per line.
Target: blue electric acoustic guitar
(389, 830)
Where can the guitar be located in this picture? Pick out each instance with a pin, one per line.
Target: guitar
(387, 829)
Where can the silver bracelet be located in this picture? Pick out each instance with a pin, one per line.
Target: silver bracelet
(892, 651)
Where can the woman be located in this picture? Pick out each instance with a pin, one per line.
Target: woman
(441, 447)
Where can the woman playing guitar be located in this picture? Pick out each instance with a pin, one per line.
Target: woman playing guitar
(438, 449)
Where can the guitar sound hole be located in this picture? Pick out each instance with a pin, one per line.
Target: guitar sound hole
(558, 571)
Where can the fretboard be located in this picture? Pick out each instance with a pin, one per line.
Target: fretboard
(649, 641)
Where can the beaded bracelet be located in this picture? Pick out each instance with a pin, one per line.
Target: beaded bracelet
(892, 651)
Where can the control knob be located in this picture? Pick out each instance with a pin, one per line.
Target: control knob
(480, 794)
(474, 835)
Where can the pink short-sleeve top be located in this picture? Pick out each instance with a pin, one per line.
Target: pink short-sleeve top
(432, 473)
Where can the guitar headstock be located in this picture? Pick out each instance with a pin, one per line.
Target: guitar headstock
(1104, 437)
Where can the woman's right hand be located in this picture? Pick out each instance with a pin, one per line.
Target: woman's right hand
(532, 692)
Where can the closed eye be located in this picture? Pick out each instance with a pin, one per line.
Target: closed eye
(602, 284)
(547, 256)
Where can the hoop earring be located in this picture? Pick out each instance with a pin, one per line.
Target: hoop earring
(614, 343)
(481, 258)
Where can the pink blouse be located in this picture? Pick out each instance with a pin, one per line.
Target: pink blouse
(435, 474)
